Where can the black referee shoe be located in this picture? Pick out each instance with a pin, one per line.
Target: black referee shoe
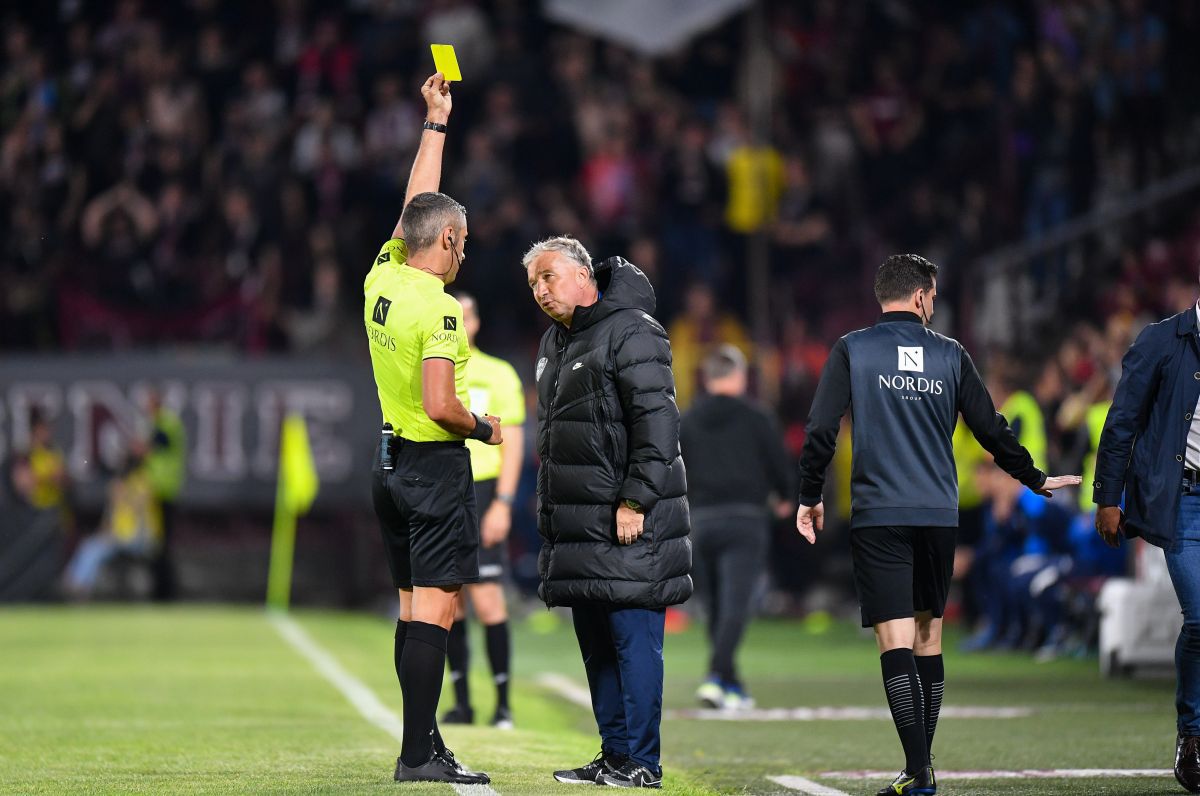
(922, 783)
(442, 767)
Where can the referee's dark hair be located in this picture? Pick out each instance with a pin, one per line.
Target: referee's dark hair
(901, 275)
(426, 215)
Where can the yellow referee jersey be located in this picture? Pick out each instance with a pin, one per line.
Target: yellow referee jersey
(409, 318)
(495, 389)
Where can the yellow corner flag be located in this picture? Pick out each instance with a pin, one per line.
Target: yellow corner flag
(294, 494)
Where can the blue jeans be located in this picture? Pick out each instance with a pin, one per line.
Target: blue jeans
(93, 553)
(623, 655)
(1183, 562)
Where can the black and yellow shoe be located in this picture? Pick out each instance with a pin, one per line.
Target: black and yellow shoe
(922, 783)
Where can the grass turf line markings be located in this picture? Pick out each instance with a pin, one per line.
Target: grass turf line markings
(576, 694)
(356, 692)
(1028, 773)
(807, 786)
(566, 688)
(840, 714)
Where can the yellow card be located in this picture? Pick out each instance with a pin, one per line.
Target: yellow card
(445, 61)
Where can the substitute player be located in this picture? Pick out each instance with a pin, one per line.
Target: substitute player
(905, 386)
(422, 487)
(495, 389)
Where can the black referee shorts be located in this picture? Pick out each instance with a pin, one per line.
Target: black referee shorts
(900, 570)
(493, 560)
(426, 511)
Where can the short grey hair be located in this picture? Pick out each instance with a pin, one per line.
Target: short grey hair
(565, 245)
(426, 215)
(724, 361)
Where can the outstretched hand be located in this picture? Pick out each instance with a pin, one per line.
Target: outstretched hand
(1054, 482)
(438, 101)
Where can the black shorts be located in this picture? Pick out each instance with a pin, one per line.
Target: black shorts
(901, 570)
(426, 511)
(493, 561)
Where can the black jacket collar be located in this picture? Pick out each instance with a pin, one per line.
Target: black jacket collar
(893, 317)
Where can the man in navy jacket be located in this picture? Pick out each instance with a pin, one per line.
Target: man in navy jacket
(1150, 453)
(905, 386)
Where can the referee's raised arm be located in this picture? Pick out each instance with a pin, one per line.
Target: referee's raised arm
(426, 174)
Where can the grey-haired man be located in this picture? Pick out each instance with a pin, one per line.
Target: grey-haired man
(612, 505)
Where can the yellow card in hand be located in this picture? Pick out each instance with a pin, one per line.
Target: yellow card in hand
(445, 61)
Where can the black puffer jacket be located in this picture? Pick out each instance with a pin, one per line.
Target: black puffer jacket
(608, 430)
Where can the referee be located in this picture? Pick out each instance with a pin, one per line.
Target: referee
(905, 386)
(422, 487)
(494, 388)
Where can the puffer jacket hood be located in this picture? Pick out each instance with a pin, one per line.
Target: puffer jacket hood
(623, 286)
(608, 430)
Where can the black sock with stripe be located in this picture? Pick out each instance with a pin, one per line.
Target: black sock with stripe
(932, 672)
(905, 699)
(499, 650)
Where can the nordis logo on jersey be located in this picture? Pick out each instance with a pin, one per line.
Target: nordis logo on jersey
(911, 359)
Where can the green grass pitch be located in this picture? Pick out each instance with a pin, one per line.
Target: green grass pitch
(213, 700)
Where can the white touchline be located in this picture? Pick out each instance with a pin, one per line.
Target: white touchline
(566, 688)
(807, 786)
(829, 713)
(355, 691)
(573, 692)
(1027, 773)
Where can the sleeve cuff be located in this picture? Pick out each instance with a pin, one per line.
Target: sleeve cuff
(808, 500)
(632, 490)
(1106, 496)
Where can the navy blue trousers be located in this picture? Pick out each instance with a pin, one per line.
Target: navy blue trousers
(623, 654)
(1183, 563)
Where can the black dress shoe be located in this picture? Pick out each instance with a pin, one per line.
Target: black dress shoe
(1187, 762)
(440, 768)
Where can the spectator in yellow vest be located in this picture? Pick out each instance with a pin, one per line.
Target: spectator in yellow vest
(695, 334)
(165, 468)
(132, 523)
(39, 475)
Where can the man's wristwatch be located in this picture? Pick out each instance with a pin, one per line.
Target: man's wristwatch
(437, 128)
(632, 504)
(505, 499)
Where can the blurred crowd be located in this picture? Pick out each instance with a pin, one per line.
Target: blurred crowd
(218, 174)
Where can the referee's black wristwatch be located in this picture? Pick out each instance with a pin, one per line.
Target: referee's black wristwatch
(437, 128)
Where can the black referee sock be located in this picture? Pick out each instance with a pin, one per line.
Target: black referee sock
(421, 668)
(458, 655)
(401, 635)
(906, 701)
(499, 650)
(932, 672)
